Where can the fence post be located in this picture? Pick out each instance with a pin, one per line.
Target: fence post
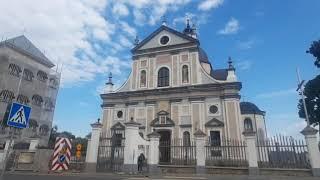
(130, 158)
(251, 151)
(153, 159)
(92, 149)
(310, 135)
(200, 140)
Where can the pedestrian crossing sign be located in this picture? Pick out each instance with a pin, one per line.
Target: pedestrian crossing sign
(19, 116)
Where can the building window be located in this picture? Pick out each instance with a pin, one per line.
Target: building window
(53, 82)
(185, 74)
(163, 77)
(213, 109)
(6, 96)
(27, 75)
(143, 78)
(164, 40)
(48, 104)
(186, 139)
(42, 76)
(33, 124)
(22, 99)
(37, 100)
(162, 120)
(14, 70)
(248, 125)
(43, 130)
(119, 114)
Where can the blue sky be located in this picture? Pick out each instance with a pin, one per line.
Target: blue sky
(267, 40)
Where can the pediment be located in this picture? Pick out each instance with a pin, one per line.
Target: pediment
(118, 126)
(214, 122)
(153, 40)
(156, 123)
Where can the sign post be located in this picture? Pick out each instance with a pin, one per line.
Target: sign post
(18, 118)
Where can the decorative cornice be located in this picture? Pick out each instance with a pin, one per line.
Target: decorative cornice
(185, 125)
(107, 105)
(154, 134)
(150, 102)
(217, 122)
(230, 96)
(199, 133)
(182, 89)
(196, 99)
(131, 103)
(175, 100)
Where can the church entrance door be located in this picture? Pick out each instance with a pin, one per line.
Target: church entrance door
(164, 146)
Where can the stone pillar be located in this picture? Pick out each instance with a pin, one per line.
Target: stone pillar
(310, 135)
(200, 140)
(153, 159)
(131, 147)
(251, 152)
(34, 144)
(91, 159)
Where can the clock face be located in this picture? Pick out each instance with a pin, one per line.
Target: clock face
(164, 40)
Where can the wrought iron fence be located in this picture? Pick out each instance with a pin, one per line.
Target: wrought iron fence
(177, 152)
(226, 153)
(110, 154)
(282, 152)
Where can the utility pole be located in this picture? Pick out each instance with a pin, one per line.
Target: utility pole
(300, 89)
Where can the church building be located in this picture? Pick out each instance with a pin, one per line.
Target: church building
(174, 90)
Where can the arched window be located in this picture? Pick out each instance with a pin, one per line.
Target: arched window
(28, 75)
(6, 96)
(248, 124)
(37, 100)
(42, 76)
(186, 138)
(163, 77)
(44, 130)
(23, 99)
(14, 70)
(185, 74)
(143, 78)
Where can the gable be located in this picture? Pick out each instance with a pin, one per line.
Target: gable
(153, 40)
(214, 123)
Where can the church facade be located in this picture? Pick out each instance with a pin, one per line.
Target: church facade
(173, 89)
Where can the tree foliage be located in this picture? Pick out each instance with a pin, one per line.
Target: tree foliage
(312, 98)
(315, 51)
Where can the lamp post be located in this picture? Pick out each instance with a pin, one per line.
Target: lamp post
(301, 91)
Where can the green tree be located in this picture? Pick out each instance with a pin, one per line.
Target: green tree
(315, 51)
(312, 98)
(312, 91)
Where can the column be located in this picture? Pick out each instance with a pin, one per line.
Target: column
(200, 140)
(131, 147)
(310, 135)
(251, 151)
(92, 151)
(153, 159)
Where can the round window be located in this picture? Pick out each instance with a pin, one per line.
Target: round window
(213, 109)
(164, 40)
(119, 114)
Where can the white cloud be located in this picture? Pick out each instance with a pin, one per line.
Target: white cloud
(63, 29)
(244, 45)
(125, 42)
(279, 93)
(244, 65)
(120, 10)
(128, 29)
(209, 4)
(231, 27)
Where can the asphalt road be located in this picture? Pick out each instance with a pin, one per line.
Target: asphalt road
(27, 176)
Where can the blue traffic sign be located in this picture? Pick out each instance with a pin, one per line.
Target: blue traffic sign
(19, 116)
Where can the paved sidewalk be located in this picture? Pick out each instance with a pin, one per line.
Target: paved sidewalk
(110, 176)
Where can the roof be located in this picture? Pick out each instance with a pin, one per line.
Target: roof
(250, 108)
(163, 27)
(219, 74)
(22, 44)
(203, 56)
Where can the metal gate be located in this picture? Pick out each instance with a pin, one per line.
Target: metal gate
(111, 152)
